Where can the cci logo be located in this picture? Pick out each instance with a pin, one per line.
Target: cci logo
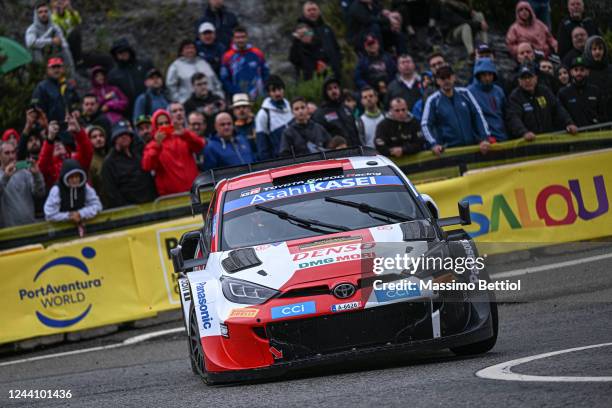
(59, 294)
(295, 309)
(389, 295)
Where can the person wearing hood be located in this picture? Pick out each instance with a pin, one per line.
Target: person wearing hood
(222, 19)
(71, 198)
(54, 95)
(399, 133)
(582, 100)
(153, 98)
(113, 102)
(272, 119)
(170, 153)
(597, 58)
(225, 147)
(374, 66)
(527, 28)
(209, 47)
(576, 18)
(323, 35)
(490, 97)
(129, 73)
(244, 68)
(180, 72)
(45, 39)
(124, 180)
(303, 135)
(334, 116)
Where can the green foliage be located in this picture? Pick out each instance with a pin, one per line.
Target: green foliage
(311, 90)
(17, 87)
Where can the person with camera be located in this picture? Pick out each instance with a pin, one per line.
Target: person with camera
(21, 183)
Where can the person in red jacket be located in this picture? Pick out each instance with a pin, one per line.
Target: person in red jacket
(171, 152)
(54, 151)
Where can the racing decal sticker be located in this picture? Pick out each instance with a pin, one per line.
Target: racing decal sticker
(342, 307)
(205, 317)
(295, 309)
(384, 295)
(332, 254)
(244, 312)
(322, 243)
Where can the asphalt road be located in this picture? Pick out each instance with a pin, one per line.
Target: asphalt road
(566, 302)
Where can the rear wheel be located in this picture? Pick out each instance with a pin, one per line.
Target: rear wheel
(482, 346)
(196, 353)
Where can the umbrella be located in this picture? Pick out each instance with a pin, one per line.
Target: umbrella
(12, 55)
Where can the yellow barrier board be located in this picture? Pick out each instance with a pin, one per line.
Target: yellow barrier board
(128, 275)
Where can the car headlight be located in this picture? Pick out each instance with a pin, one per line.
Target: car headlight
(239, 291)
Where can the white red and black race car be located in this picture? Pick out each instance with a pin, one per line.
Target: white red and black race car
(282, 276)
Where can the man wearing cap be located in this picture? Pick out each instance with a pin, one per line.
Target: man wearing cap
(54, 95)
(452, 117)
(335, 117)
(374, 66)
(534, 109)
(490, 97)
(153, 98)
(143, 129)
(272, 118)
(244, 120)
(209, 47)
(45, 39)
(221, 18)
(124, 180)
(583, 101)
(225, 147)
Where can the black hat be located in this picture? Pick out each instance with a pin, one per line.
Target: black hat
(578, 62)
(444, 71)
(120, 129)
(120, 45)
(154, 72)
(526, 70)
(275, 81)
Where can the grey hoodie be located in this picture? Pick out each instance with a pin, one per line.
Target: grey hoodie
(17, 195)
(39, 39)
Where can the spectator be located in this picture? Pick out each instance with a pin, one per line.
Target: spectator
(527, 28)
(349, 100)
(452, 117)
(484, 51)
(576, 18)
(563, 77)
(55, 151)
(534, 109)
(225, 148)
(54, 95)
(597, 58)
(306, 53)
(460, 22)
(31, 138)
(11, 135)
(196, 122)
(582, 100)
(407, 84)
(243, 67)
(209, 47)
(71, 198)
(579, 39)
(112, 101)
(526, 56)
(97, 137)
(180, 72)
(91, 115)
(335, 117)
(324, 35)
(372, 115)
(541, 9)
(170, 154)
(367, 17)
(45, 39)
(129, 73)
(204, 101)
(244, 120)
(143, 129)
(546, 67)
(303, 135)
(125, 182)
(272, 119)
(19, 188)
(428, 87)
(546, 73)
(435, 60)
(154, 98)
(490, 97)
(223, 20)
(399, 134)
(374, 66)
(68, 19)
(311, 107)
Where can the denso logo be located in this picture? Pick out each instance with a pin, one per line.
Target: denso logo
(62, 294)
(333, 251)
(501, 204)
(206, 319)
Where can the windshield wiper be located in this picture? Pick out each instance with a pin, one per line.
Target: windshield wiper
(302, 222)
(368, 209)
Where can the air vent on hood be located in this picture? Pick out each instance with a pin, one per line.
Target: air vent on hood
(240, 259)
(418, 230)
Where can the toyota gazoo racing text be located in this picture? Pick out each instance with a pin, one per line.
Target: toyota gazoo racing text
(282, 274)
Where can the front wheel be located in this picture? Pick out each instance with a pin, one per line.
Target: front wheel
(196, 353)
(482, 346)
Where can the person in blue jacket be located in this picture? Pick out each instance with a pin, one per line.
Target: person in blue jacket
(225, 148)
(490, 97)
(452, 117)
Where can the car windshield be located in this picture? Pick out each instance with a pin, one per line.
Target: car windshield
(303, 209)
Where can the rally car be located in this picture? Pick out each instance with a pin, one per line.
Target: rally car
(281, 275)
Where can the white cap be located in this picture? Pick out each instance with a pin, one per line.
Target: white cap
(206, 27)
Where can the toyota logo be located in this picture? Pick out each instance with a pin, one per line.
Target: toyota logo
(344, 290)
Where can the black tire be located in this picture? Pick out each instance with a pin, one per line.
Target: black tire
(482, 346)
(196, 353)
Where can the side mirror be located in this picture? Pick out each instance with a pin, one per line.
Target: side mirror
(464, 217)
(431, 205)
(183, 255)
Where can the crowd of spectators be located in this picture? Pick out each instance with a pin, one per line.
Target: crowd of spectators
(138, 133)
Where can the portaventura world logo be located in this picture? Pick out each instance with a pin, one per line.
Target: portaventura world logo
(62, 294)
